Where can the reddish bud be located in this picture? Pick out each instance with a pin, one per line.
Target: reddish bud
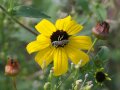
(12, 67)
(101, 30)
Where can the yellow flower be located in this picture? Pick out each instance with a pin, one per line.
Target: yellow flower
(58, 43)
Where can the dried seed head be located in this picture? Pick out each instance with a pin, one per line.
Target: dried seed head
(101, 30)
(12, 67)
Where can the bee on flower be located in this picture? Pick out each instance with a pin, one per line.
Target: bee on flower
(58, 43)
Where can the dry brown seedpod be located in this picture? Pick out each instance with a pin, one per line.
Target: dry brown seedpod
(12, 67)
(101, 31)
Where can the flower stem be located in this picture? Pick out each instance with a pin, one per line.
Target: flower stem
(14, 83)
(11, 2)
(15, 20)
(92, 45)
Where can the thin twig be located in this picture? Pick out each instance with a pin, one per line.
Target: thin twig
(15, 20)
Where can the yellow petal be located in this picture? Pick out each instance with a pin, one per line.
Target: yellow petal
(44, 57)
(82, 42)
(76, 55)
(60, 62)
(73, 28)
(42, 37)
(45, 27)
(61, 23)
(41, 43)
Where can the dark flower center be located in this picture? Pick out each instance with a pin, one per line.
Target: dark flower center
(59, 38)
(100, 77)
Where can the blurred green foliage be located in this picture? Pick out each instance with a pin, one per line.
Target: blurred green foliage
(14, 38)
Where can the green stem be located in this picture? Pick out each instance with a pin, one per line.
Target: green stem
(92, 45)
(14, 83)
(15, 20)
(64, 80)
(11, 2)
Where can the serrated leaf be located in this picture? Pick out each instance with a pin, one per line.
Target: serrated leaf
(28, 11)
(103, 53)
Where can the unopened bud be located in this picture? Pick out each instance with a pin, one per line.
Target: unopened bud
(101, 30)
(86, 75)
(72, 66)
(89, 82)
(12, 67)
(88, 87)
(50, 75)
(77, 84)
(78, 81)
(78, 65)
(47, 86)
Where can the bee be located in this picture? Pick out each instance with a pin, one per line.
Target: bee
(60, 43)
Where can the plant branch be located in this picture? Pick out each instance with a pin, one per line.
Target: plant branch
(15, 20)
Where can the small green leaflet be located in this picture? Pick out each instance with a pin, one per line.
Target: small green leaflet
(101, 12)
(103, 53)
(28, 11)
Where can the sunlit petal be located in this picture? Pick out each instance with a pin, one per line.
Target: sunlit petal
(44, 57)
(62, 23)
(60, 61)
(76, 55)
(82, 42)
(45, 27)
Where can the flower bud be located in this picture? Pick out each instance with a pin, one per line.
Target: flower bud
(86, 75)
(47, 86)
(50, 76)
(101, 30)
(72, 66)
(78, 65)
(88, 87)
(78, 84)
(12, 67)
(78, 81)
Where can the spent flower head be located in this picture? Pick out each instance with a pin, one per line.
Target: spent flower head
(12, 67)
(101, 31)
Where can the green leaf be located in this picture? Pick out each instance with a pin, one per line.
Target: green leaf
(103, 53)
(27, 11)
(101, 12)
(84, 4)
